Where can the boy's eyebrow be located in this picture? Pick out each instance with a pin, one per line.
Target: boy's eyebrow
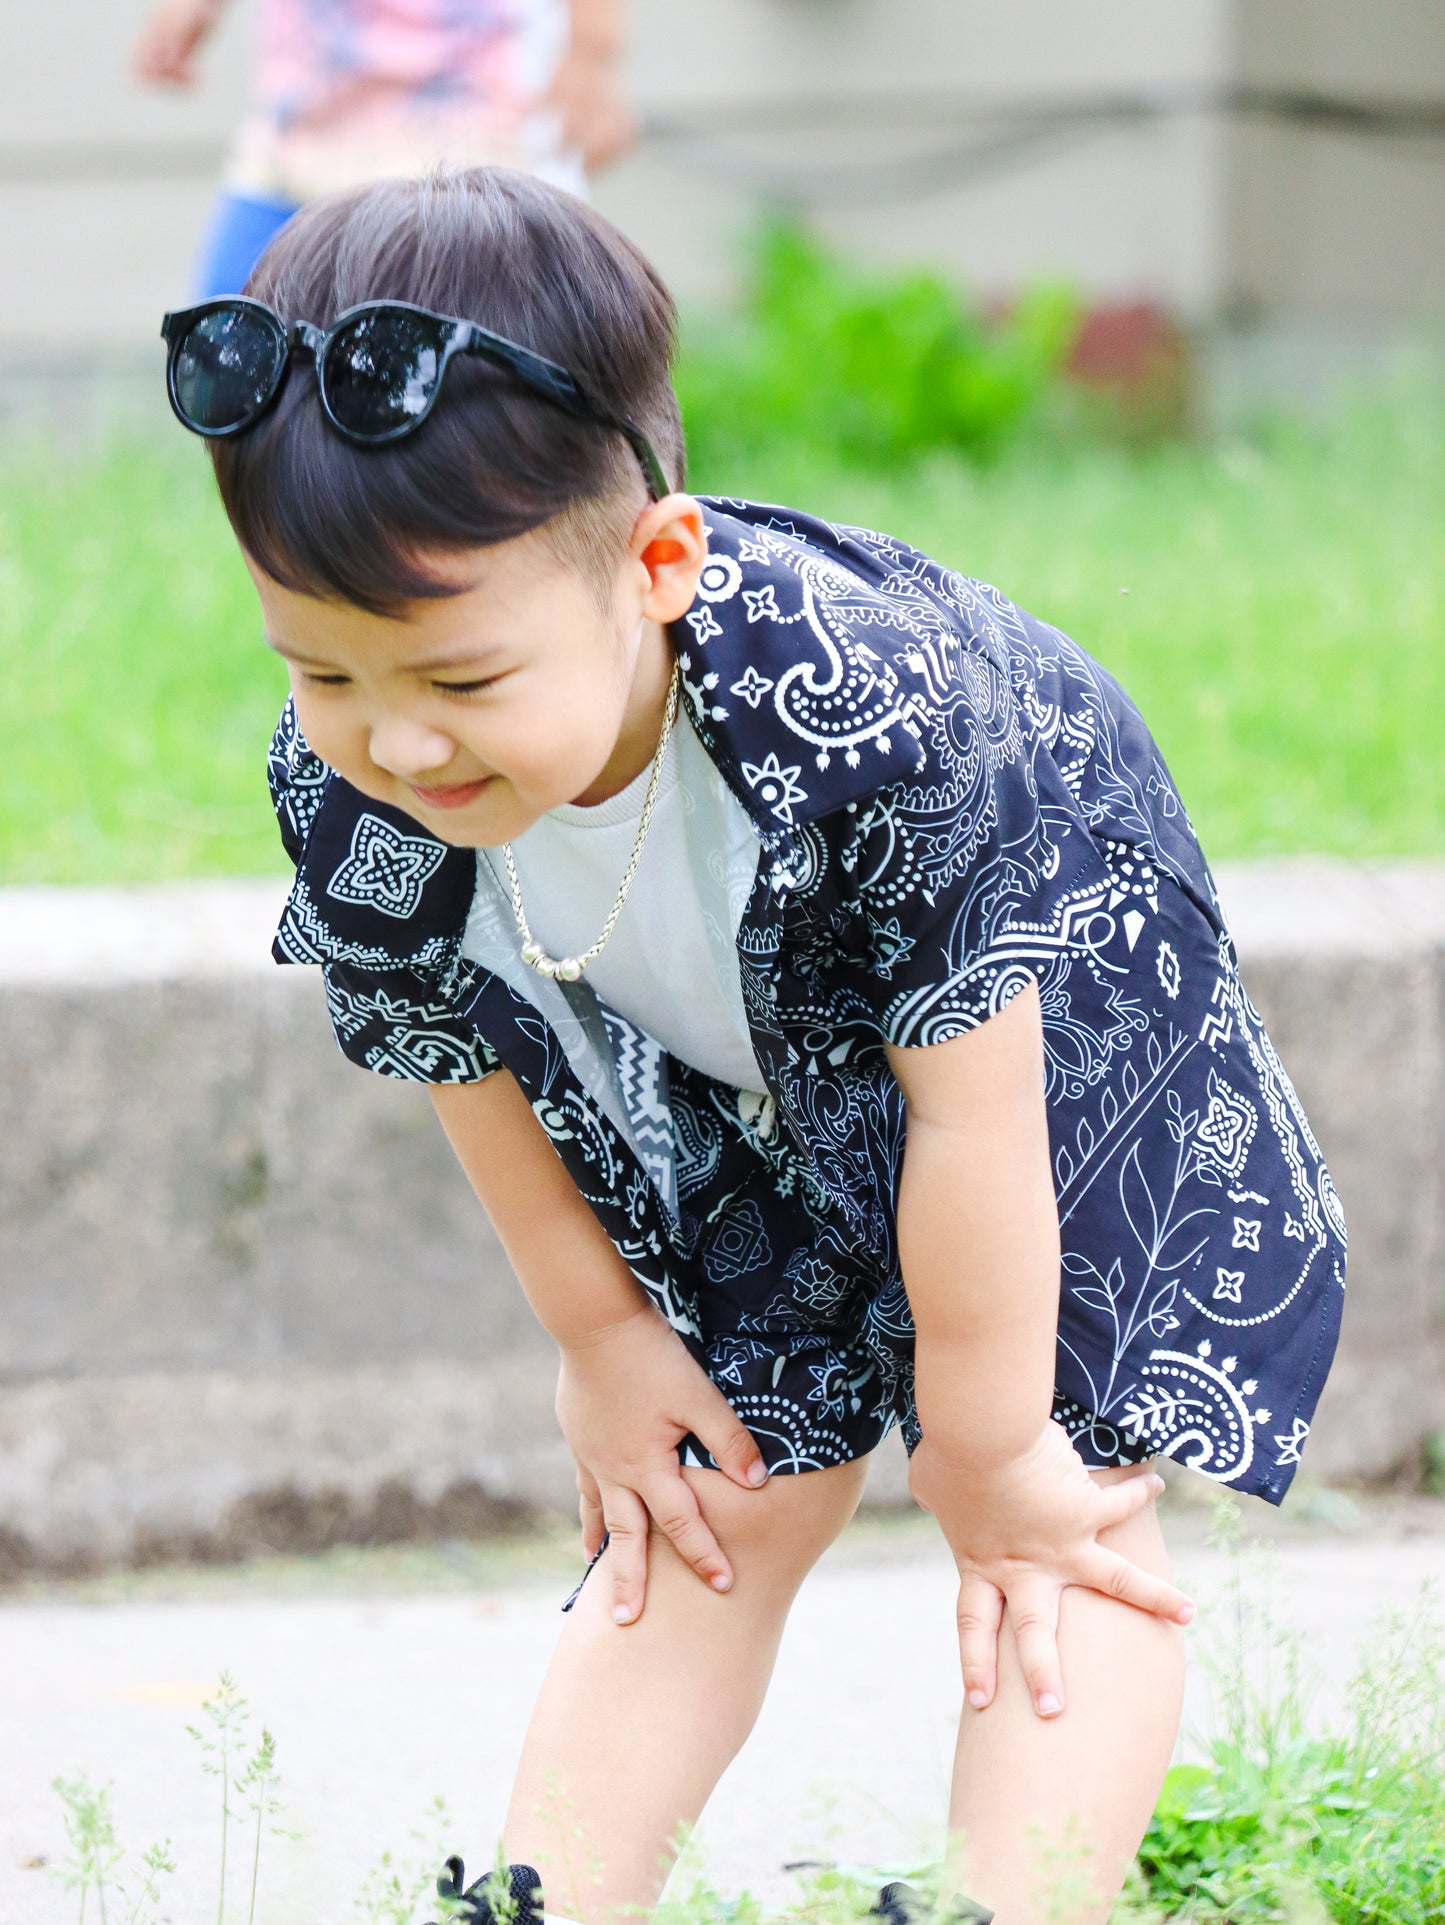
(464, 658)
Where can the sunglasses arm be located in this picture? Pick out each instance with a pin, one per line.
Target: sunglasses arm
(658, 484)
(550, 379)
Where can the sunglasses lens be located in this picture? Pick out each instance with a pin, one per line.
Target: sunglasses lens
(226, 367)
(381, 372)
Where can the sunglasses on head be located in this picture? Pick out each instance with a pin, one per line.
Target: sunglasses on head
(379, 370)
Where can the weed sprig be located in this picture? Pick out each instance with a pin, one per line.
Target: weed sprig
(96, 1856)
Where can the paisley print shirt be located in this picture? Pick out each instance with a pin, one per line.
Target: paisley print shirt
(952, 800)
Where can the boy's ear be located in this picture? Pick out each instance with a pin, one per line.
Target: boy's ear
(669, 544)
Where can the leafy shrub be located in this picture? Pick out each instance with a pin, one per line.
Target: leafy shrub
(872, 369)
(1282, 1822)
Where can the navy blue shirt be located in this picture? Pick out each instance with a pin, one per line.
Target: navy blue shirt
(952, 800)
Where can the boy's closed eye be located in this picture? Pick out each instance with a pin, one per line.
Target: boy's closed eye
(459, 689)
(463, 689)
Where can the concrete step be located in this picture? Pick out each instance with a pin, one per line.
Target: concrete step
(221, 1327)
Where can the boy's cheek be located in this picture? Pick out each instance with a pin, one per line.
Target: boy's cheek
(344, 750)
(325, 735)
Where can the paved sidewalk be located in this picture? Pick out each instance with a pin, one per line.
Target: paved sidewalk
(380, 1702)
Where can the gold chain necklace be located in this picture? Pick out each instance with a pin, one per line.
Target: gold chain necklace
(568, 968)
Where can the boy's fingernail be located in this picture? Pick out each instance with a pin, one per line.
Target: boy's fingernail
(978, 1697)
(722, 1582)
(1185, 1614)
(1049, 1705)
(757, 1474)
(622, 1614)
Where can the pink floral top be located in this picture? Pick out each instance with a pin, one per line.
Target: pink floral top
(350, 90)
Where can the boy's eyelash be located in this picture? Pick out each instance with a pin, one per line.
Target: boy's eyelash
(462, 689)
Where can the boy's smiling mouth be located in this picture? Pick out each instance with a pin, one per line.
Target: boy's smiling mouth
(455, 795)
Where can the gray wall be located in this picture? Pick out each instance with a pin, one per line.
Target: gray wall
(104, 187)
(1326, 222)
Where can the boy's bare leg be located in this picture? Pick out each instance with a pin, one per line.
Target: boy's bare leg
(1047, 1813)
(636, 1724)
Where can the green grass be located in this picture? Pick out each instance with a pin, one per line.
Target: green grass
(1276, 607)
(1283, 630)
(141, 695)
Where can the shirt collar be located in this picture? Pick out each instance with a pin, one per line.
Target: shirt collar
(803, 673)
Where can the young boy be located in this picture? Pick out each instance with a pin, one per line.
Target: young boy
(822, 987)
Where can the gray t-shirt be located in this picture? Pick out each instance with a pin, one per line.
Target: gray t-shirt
(671, 964)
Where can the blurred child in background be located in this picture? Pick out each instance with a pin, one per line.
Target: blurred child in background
(346, 91)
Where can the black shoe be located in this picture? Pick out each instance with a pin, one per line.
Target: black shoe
(475, 1903)
(900, 1904)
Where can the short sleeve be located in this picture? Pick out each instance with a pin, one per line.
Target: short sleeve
(388, 1021)
(298, 780)
(970, 875)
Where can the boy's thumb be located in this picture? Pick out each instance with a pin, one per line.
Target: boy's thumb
(734, 1449)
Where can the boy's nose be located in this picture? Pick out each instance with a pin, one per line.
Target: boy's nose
(410, 750)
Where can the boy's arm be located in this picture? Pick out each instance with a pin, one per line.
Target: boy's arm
(979, 1244)
(629, 1389)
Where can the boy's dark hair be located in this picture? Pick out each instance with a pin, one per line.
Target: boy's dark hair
(493, 461)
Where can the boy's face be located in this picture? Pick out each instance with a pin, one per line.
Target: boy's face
(479, 712)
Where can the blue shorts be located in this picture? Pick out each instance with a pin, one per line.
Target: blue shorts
(235, 238)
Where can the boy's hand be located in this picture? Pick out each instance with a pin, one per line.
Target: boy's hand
(166, 50)
(626, 1398)
(1020, 1532)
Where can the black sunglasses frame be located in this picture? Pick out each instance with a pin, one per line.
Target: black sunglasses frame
(545, 378)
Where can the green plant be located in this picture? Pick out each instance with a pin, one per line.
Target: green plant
(90, 1833)
(823, 1894)
(225, 1714)
(259, 1783)
(255, 1778)
(1273, 604)
(394, 1890)
(96, 1856)
(1281, 1821)
(874, 368)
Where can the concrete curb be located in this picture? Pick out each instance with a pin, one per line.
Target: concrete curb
(220, 1330)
